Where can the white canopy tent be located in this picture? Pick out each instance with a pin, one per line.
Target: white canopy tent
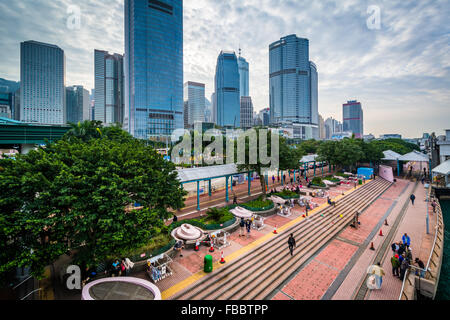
(443, 169)
(414, 156)
(391, 155)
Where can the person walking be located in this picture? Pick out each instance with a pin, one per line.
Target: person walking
(235, 198)
(291, 243)
(175, 219)
(395, 265)
(406, 240)
(242, 228)
(273, 179)
(412, 197)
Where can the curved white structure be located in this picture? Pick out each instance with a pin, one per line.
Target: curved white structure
(188, 232)
(240, 212)
(85, 295)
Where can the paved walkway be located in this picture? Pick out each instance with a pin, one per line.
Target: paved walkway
(338, 272)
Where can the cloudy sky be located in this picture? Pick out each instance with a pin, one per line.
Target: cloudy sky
(400, 72)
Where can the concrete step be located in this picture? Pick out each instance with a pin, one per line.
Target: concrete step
(260, 271)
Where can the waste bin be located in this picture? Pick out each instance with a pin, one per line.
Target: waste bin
(208, 264)
(360, 181)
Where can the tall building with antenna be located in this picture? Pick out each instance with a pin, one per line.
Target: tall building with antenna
(243, 75)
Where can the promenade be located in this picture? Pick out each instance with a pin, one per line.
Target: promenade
(338, 270)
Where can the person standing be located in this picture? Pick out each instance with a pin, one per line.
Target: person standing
(292, 244)
(235, 198)
(395, 265)
(249, 225)
(406, 240)
(421, 265)
(179, 246)
(403, 267)
(273, 179)
(412, 198)
(242, 228)
(175, 219)
(434, 204)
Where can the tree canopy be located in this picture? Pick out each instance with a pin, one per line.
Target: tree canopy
(73, 195)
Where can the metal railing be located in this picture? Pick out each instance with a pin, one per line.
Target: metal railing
(426, 270)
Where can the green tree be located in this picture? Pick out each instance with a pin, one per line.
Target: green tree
(73, 194)
(288, 156)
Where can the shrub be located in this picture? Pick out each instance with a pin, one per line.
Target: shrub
(258, 205)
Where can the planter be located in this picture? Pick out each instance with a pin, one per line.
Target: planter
(314, 186)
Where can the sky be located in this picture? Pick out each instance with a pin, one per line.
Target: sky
(393, 56)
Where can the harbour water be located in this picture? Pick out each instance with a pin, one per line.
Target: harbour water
(443, 291)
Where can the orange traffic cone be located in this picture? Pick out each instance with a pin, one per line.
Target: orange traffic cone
(212, 247)
(275, 230)
(381, 232)
(372, 247)
(197, 246)
(222, 260)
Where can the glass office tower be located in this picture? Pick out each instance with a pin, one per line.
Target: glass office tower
(353, 118)
(290, 81)
(243, 76)
(246, 113)
(42, 83)
(194, 100)
(227, 91)
(153, 67)
(109, 87)
(77, 104)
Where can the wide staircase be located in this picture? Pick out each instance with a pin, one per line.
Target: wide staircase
(255, 275)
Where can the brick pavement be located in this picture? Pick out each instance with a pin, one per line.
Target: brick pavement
(338, 253)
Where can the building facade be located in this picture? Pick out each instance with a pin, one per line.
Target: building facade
(77, 104)
(42, 83)
(194, 102)
(109, 87)
(353, 118)
(6, 103)
(153, 68)
(227, 108)
(246, 113)
(322, 131)
(292, 82)
(243, 76)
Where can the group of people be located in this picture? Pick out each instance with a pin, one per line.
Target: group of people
(402, 258)
(245, 224)
(121, 268)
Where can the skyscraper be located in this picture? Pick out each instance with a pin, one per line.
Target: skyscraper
(246, 113)
(243, 76)
(77, 104)
(194, 100)
(353, 118)
(153, 67)
(109, 87)
(293, 84)
(227, 90)
(42, 83)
